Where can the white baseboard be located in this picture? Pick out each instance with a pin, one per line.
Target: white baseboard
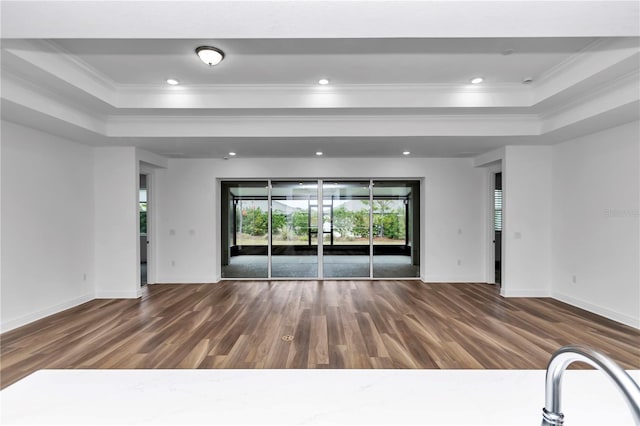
(524, 293)
(451, 279)
(26, 319)
(187, 280)
(599, 310)
(117, 295)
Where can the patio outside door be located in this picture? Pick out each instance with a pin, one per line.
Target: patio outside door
(294, 229)
(309, 229)
(346, 230)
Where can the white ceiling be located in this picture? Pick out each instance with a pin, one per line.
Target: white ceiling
(344, 61)
(96, 75)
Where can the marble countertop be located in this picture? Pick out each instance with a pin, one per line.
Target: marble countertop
(307, 397)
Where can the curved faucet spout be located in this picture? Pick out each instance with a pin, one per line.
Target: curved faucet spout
(562, 358)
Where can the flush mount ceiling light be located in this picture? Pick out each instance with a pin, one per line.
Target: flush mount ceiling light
(210, 55)
(406, 152)
(477, 80)
(319, 153)
(172, 81)
(323, 81)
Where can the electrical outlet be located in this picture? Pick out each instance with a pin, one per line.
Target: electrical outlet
(173, 263)
(574, 279)
(459, 262)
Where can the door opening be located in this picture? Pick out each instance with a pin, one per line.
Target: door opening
(310, 229)
(143, 207)
(497, 227)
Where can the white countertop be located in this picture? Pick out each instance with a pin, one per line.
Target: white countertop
(307, 397)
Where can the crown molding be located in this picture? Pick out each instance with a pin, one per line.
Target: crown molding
(332, 88)
(622, 92)
(625, 87)
(569, 63)
(598, 57)
(304, 96)
(48, 57)
(26, 94)
(99, 77)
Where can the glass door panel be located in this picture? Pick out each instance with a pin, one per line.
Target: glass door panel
(396, 229)
(345, 229)
(368, 229)
(244, 229)
(294, 229)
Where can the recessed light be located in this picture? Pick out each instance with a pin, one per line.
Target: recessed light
(319, 153)
(172, 81)
(210, 55)
(323, 81)
(477, 80)
(406, 152)
(527, 80)
(507, 52)
(233, 154)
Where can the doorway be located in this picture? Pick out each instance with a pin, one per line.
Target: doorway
(497, 227)
(346, 234)
(294, 229)
(143, 206)
(310, 229)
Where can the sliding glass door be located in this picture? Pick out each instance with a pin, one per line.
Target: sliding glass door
(245, 222)
(345, 225)
(396, 248)
(320, 229)
(294, 229)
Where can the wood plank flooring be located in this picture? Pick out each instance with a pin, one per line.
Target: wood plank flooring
(334, 324)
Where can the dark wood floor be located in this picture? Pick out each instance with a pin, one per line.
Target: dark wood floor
(334, 324)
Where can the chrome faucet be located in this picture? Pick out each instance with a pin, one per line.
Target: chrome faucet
(562, 358)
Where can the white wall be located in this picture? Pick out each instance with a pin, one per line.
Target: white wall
(47, 224)
(526, 235)
(70, 211)
(185, 225)
(188, 205)
(117, 269)
(596, 235)
(454, 228)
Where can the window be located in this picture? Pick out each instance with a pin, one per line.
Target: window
(497, 209)
(143, 211)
